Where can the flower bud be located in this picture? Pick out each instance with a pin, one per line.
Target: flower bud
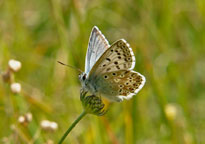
(16, 88)
(7, 76)
(93, 104)
(14, 65)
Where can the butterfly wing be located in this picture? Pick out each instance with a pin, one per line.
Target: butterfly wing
(113, 75)
(96, 47)
(118, 57)
(120, 85)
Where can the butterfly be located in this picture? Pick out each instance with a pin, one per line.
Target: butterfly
(109, 69)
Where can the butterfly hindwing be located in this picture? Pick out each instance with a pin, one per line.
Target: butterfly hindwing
(96, 47)
(119, 85)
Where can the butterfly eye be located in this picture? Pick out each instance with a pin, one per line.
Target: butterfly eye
(84, 76)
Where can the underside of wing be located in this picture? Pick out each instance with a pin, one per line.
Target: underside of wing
(112, 76)
(96, 47)
(119, 85)
(118, 57)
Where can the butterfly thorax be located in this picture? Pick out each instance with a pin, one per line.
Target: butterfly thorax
(85, 83)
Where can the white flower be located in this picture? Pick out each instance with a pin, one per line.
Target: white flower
(45, 124)
(14, 65)
(25, 119)
(29, 117)
(16, 88)
(49, 125)
(54, 125)
(21, 119)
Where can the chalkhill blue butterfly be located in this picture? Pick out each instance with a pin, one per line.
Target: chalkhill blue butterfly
(109, 69)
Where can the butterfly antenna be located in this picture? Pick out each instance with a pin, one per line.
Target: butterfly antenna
(70, 66)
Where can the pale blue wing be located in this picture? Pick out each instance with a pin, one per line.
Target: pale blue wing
(96, 47)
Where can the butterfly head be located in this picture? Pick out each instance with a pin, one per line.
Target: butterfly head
(82, 78)
(84, 81)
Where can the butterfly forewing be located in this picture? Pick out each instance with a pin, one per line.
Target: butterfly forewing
(118, 57)
(96, 47)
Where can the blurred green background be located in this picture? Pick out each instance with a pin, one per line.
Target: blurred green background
(168, 39)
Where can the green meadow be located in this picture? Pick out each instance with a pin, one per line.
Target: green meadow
(167, 38)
